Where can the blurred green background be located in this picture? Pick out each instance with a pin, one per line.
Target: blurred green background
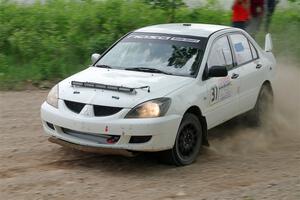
(42, 43)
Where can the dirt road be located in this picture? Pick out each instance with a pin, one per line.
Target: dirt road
(242, 163)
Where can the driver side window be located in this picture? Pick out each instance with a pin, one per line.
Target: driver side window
(220, 54)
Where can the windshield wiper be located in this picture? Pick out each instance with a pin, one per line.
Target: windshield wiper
(104, 66)
(146, 69)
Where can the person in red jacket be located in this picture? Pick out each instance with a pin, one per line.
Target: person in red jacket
(257, 14)
(240, 13)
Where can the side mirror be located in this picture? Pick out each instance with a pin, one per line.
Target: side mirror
(268, 43)
(217, 71)
(95, 57)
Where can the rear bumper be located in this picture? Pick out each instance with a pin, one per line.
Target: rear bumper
(162, 130)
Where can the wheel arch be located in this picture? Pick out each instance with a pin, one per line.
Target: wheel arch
(197, 112)
(268, 84)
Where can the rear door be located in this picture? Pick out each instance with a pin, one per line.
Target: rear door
(222, 92)
(251, 76)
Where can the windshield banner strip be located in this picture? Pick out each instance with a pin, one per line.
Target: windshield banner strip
(162, 37)
(172, 39)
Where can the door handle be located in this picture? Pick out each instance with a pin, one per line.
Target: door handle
(234, 76)
(258, 66)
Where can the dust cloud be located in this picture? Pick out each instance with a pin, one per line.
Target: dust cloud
(281, 128)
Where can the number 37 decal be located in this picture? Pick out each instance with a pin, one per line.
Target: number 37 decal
(214, 92)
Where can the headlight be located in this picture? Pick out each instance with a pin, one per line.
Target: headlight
(52, 97)
(150, 109)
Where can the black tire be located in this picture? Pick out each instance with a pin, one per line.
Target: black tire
(187, 144)
(263, 107)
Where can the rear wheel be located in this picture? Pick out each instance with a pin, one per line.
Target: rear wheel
(263, 106)
(187, 144)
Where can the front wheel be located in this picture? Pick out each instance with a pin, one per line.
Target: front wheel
(187, 144)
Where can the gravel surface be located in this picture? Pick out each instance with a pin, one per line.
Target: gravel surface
(241, 163)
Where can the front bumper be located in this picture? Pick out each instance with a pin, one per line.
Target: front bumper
(162, 130)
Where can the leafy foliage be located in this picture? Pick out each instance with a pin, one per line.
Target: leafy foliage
(170, 6)
(51, 40)
(165, 4)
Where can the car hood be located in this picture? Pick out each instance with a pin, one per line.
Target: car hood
(160, 85)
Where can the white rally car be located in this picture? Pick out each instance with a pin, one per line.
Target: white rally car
(161, 88)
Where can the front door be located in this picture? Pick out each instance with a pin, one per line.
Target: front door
(222, 92)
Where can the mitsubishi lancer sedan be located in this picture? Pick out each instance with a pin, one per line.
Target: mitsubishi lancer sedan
(160, 89)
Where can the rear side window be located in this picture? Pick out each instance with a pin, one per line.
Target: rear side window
(254, 51)
(241, 48)
(220, 54)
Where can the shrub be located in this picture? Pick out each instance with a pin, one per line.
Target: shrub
(51, 40)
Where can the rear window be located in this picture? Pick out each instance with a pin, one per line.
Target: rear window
(241, 48)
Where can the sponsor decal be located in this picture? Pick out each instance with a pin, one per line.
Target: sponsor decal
(224, 88)
(239, 47)
(221, 91)
(161, 37)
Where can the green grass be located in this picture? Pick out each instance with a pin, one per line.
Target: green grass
(48, 42)
(285, 29)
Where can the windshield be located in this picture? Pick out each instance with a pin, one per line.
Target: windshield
(156, 53)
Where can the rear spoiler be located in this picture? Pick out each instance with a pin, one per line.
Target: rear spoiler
(268, 43)
(108, 87)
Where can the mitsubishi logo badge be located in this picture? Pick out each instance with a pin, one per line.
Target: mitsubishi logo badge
(87, 111)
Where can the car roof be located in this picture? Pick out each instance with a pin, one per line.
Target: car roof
(199, 30)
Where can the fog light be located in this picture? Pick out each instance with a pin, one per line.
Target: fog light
(139, 139)
(50, 125)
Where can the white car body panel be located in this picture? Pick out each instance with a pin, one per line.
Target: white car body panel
(160, 85)
(184, 92)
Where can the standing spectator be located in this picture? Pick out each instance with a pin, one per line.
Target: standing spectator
(270, 8)
(256, 12)
(240, 15)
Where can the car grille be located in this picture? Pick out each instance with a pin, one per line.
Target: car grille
(101, 111)
(74, 106)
